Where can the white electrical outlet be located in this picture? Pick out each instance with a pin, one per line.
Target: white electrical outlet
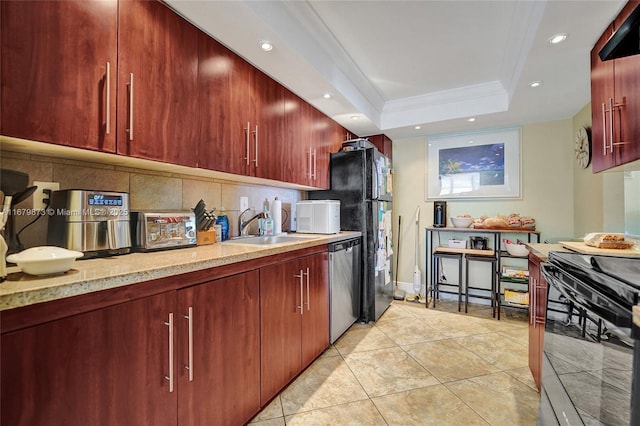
(39, 195)
(244, 203)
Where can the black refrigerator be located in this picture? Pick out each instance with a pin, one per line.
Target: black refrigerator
(361, 181)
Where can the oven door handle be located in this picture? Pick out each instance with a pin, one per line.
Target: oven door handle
(551, 274)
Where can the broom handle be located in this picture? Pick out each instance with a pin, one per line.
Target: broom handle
(398, 249)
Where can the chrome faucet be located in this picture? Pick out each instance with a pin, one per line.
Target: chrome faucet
(244, 226)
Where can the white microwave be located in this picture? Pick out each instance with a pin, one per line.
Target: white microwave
(318, 216)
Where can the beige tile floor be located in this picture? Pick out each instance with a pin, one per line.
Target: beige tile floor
(417, 366)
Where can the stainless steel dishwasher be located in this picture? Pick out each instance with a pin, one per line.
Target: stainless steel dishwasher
(344, 285)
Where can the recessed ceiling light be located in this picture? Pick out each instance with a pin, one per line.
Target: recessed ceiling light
(418, 127)
(558, 38)
(470, 141)
(265, 45)
(354, 117)
(535, 84)
(327, 96)
(472, 119)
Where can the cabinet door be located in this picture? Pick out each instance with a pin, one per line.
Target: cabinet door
(537, 314)
(55, 56)
(224, 386)
(104, 367)
(627, 88)
(298, 161)
(280, 326)
(315, 318)
(322, 141)
(269, 150)
(157, 83)
(602, 90)
(225, 95)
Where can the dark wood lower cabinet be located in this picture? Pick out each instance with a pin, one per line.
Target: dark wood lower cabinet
(105, 367)
(220, 382)
(294, 325)
(537, 315)
(234, 343)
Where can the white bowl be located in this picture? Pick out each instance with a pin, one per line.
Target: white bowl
(461, 222)
(45, 260)
(517, 249)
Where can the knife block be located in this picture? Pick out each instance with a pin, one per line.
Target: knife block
(206, 237)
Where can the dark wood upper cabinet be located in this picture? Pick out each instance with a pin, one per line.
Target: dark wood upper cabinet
(298, 163)
(269, 150)
(157, 84)
(58, 72)
(383, 143)
(134, 78)
(226, 108)
(241, 115)
(615, 103)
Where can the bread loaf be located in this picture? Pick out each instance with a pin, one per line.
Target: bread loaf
(607, 241)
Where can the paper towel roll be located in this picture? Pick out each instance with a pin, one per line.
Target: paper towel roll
(276, 215)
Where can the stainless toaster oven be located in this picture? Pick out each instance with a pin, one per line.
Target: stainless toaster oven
(163, 230)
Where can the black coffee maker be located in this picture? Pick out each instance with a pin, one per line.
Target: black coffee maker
(15, 184)
(439, 214)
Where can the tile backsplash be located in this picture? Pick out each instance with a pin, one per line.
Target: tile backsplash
(148, 190)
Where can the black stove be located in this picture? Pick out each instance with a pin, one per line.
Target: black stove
(588, 370)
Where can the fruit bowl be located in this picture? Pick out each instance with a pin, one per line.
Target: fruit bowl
(519, 250)
(45, 260)
(461, 222)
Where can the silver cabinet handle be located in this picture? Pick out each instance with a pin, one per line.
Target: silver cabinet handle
(130, 129)
(189, 367)
(611, 124)
(315, 168)
(604, 129)
(301, 306)
(107, 124)
(308, 297)
(532, 305)
(246, 139)
(255, 141)
(309, 168)
(538, 319)
(170, 376)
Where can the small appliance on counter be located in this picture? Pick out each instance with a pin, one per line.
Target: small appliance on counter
(153, 231)
(318, 216)
(95, 223)
(479, 243)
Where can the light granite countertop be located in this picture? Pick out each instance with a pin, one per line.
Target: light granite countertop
(542, 250)
(91, 275)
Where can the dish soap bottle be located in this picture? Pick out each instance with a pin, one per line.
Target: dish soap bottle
(223, 221)
(266, 223)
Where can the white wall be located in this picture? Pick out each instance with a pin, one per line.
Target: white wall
(547, 190)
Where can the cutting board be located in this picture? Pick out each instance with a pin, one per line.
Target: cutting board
(581, 247)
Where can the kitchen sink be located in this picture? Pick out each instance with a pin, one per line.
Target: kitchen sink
(267, 240)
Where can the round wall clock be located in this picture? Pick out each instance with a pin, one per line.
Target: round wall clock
(582, 147)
